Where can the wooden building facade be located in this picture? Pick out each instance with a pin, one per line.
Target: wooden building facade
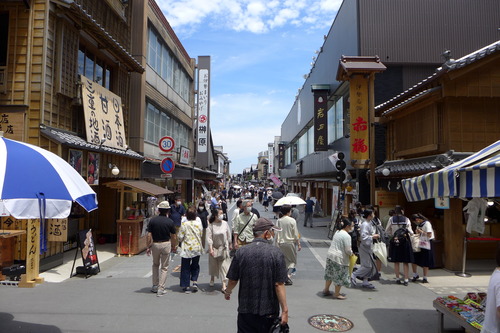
(47, 49)
(456, 109)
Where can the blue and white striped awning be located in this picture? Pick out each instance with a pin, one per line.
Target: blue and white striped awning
(477, 176)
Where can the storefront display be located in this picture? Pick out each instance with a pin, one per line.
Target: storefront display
(467, 312)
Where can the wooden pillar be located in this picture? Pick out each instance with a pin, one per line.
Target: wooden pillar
(31, 277)
(453, 236)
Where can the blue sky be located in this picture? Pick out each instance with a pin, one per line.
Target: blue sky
(259, 51)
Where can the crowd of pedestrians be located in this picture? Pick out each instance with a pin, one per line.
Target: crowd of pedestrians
(248, 246)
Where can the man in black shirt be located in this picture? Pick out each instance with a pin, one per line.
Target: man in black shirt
(260, 268)
(161, 239)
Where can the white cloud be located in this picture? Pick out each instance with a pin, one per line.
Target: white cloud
(248, 15)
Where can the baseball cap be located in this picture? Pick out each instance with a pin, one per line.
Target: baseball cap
(264, 224)
(164, 205)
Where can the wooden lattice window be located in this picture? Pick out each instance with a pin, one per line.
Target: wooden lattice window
(67, 59)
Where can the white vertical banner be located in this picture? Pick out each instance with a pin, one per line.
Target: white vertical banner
(203, 96)
(271, 159)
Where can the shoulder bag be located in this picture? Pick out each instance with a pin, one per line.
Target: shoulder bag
(219, 252)
(250, 219)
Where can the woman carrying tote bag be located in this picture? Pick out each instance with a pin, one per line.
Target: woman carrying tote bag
(425, 257)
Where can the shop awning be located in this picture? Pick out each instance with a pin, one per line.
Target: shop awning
(138, 186)
(477, 176)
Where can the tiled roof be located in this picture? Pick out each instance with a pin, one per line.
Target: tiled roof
(417, 90)
(420, 165)
(72, 140)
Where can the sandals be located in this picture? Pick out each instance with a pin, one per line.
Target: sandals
(340, 296)
(327, 293)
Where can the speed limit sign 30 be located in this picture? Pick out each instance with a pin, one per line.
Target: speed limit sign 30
(166, 144)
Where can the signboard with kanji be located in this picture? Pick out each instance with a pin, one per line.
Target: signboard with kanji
(359, 120)
(103, 115)
(12, 125)
(203, 111)
(320, 120)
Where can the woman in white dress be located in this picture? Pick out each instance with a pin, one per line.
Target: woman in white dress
(218, 240)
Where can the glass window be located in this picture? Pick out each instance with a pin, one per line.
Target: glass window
(331, 124)
(310, 140)
(99, 73)
(107, 82)
(4, 37)
(339, 119)
(89, 66)
(302, 146)
(81, 62)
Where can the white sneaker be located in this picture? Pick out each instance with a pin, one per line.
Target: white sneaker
(161, 293)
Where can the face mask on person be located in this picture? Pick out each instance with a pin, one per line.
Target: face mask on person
(178, 203)
(221, 216)
(249, 209)
(201, 208)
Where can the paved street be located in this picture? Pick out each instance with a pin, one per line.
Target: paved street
(119, 299)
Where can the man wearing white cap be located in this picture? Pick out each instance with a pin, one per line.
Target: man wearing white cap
(260, 268)
(161, 239)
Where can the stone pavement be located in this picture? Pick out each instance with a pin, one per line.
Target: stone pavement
(118, 299)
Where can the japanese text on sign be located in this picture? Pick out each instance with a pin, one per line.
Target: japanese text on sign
(203, 96)
(103, 115)
(359, 139)
(320, 120)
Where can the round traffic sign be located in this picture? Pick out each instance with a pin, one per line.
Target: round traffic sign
(166, 143)
(167, 165)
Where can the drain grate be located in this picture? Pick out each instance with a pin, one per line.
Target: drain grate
(318, 244)
(330, 323)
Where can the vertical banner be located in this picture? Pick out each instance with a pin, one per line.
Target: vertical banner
(33, 250)
(203, 111)
(271, 158)
(103, 115)
(281, 156)
(320, 117)
(359, 120)
(203, 117)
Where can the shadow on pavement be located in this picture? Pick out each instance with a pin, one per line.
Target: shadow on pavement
(8, 324)
(406, 320)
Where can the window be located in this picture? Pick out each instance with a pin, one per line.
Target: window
(302, 146)
(94, 68)
(4, 38)
(336, 121)
(158, 124)
(161, 60)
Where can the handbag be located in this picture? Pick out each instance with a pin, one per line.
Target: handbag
(219, 252)
(424, 242)
(415, 241)
(352, 262)
(277, 328)
(380, 251)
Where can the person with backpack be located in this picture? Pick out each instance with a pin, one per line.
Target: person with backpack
(424, 258)
(400, 250)
(368, 269)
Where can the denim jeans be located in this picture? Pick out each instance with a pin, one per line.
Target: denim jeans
(190, 269)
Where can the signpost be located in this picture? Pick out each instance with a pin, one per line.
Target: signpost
(167, 144)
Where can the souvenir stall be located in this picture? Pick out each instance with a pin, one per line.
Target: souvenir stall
(133, 212)
(477, 180)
